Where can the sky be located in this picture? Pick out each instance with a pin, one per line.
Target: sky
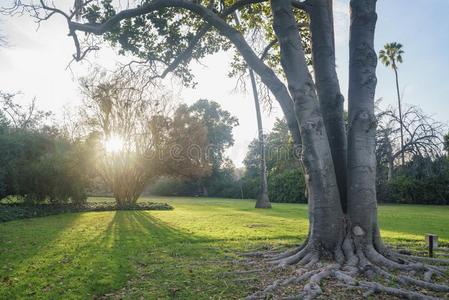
(35, 63)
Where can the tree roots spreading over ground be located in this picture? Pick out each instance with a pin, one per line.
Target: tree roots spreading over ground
(306, 273)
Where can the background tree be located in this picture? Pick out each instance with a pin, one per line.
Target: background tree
(219, 124)
(38, 164)
(185, 149)
(263, 200)
(343, 217)
(421, 136)
(285, 175)
(392, 55)
(424, 176)
(123, 117)
(446, 143)
(204, 130)
(22, 117)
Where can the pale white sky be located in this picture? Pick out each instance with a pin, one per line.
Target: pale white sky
(35, 63)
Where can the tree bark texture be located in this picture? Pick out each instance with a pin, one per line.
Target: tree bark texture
(328, 87)
(325, 211)
(362, 202)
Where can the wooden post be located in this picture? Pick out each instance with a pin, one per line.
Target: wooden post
(432, 242)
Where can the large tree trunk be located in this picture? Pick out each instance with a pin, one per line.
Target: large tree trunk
(328, 87)
(263, 201)
(350, 241)
(325, 213)
(362, 201)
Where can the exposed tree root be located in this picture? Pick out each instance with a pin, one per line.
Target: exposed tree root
(352, 266)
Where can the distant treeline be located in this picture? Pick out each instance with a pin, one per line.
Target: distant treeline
(422, 180)
(40, 163)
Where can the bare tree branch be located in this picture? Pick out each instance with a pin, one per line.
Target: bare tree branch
(423, 136)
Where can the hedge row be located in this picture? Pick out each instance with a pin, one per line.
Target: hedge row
(9, 212)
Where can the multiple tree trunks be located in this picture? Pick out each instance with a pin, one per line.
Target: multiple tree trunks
(344, 240)
(325, 211)
(328, 88)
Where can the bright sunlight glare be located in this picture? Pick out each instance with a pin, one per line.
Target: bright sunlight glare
(114, 144)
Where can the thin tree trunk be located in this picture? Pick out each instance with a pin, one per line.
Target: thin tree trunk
(400, 114)
(325, 213)
(328, 87)
(390, 157)
(390, 169)
(362, 202)
(263, 201)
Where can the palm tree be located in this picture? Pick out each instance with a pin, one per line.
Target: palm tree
(391, 55)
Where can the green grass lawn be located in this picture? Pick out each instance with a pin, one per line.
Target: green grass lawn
(179, 254)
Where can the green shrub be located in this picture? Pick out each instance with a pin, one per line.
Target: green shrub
(287, 186)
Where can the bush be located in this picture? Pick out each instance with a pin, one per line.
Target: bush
(9, 212)
(42, 168)
(419, 182)
(287, 186)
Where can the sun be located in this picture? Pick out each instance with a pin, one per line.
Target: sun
(114, 144)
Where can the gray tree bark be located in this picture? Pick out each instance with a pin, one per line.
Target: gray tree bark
(328, 87)
(325, 211)
(362, 202)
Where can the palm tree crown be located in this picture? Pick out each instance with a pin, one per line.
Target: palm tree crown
(391, 54)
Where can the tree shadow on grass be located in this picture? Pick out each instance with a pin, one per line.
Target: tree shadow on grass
(102, 254)
(123, 254)
(143, 256)
(22, 239)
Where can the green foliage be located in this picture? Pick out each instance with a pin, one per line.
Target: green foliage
(4, 123)
(421, 181)
(189, 124)
(37, 163)
(219, 124)
(287, 186)
(15, 211)
(391, 54)
(38, 167)
(285, 175)
(221, 184)
(157, 37)
(160, 37)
